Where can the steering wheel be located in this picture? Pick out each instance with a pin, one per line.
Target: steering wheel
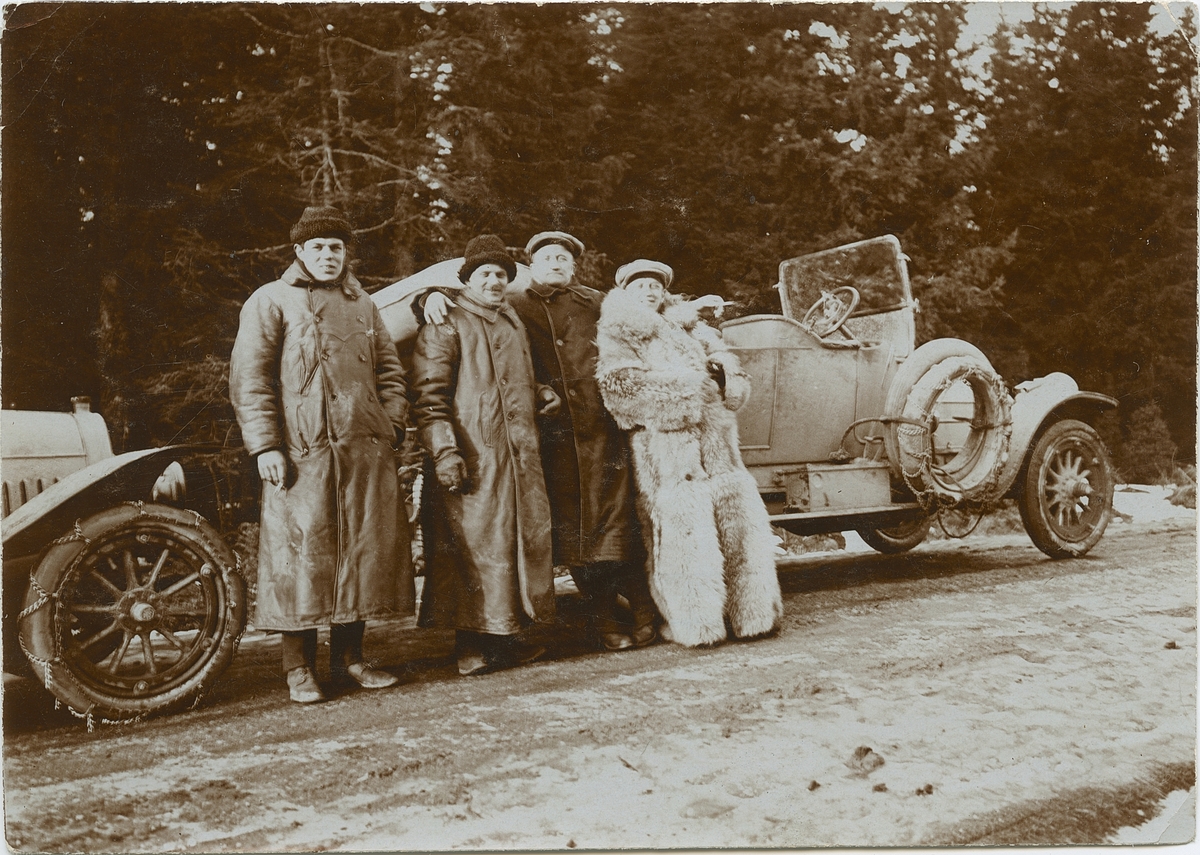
(831, 311)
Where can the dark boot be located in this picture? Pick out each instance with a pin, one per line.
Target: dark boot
(346, 658)
(469, 650)
(509, 651)
(635, 588)
(599, 584)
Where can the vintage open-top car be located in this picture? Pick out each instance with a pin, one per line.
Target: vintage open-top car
(851, 427)
(120, 595)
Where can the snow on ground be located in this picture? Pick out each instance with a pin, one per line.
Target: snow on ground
(1149, 504)
(1143, 502)
(1174, 823)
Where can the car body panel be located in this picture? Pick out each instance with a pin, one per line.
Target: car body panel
(123, 477)
(40, 448)
(807, 392)
(1035, 402)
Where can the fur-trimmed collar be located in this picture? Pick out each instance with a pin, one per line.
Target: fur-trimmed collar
(628, 316)
(627, 313)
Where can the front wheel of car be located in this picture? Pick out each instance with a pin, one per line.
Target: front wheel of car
(137, 610)
(899, 538)
(1067, 490)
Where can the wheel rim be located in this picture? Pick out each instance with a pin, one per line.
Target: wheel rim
(1075, 489)
(904, 530)
(140, 612)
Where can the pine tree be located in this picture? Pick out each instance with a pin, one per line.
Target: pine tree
(1147, 453)
(1092, 184)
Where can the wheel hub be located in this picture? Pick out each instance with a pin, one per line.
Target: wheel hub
(142, 612)
(139, 610)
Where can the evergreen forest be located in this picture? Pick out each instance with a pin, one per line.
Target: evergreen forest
(156, 154)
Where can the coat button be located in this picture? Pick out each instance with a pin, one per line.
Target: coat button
(559, 342)
(304, 450)
(571, 393)
(361, 358)
(324, 355)
(333, 396)
(510, 417)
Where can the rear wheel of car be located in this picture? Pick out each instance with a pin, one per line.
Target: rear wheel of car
(898, 538)
(137, 610)
(914, 397)
(1067, 490)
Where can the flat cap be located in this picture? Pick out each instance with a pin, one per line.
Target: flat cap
(626, 273)
(570, 242)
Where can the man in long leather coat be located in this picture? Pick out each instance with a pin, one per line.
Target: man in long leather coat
(488, 556)
(319, 393)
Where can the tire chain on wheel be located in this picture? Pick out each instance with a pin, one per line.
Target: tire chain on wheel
(45, 597)
(948, 361)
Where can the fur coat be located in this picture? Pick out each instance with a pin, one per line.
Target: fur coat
(711, 546)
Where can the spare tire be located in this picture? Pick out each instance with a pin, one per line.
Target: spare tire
(970, 474)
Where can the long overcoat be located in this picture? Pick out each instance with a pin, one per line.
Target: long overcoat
(314, 374)
(488, 549)
(712, 552)
(584, 454)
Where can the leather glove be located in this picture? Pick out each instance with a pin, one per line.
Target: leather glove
(407, 476)
(451, 472)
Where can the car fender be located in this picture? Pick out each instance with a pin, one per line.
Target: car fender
(1036, 401)
(125, 477)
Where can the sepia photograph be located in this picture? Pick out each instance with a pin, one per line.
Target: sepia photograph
(569, 426)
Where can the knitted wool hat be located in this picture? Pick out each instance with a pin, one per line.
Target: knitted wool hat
(322, 221)
(572, 244)
(626, 273)
(486, 249)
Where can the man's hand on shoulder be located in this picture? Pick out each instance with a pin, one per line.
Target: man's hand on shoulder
(437, 307)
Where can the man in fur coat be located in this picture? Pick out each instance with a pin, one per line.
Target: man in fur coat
(668, 379)
(319, 393)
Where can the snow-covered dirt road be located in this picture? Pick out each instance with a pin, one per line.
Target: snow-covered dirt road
(1005, 698)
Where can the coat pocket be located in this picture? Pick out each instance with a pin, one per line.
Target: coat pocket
(491, 418)
(299, 365)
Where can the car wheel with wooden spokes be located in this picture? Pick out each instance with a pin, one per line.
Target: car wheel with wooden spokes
(1067, 490)
(137, 610)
